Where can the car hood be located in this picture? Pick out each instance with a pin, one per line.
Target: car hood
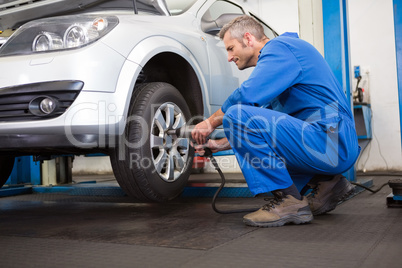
(14, 13)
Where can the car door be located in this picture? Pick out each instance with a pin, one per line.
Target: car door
(224, 76)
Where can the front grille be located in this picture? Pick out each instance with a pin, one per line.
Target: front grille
(14, 101)
(16, 4)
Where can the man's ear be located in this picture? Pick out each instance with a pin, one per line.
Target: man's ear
(248, 39)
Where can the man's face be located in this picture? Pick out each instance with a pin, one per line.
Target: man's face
(238, 52)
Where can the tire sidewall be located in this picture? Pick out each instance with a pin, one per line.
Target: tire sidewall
(161, 93)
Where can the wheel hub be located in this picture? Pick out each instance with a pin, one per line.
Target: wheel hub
(169, 152)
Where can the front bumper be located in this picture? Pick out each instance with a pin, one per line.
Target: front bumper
(92, 122)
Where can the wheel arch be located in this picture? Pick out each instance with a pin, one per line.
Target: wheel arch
(181, 75)
(165, 60)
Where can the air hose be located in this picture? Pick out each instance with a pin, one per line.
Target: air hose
(368, 189)
(208, 153)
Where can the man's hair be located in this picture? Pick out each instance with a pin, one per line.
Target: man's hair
(241, 25)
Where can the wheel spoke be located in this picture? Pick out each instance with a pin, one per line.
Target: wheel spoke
(178, 160)
(179, 121)
(169, 115)
(160, 121)
(156, 142)
(160, 161)
(170, 168)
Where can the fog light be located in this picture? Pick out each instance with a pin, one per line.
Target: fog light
(47, 105)
(44, 106)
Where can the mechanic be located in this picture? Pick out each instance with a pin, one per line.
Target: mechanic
(288, 122)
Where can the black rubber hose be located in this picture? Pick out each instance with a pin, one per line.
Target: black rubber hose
(208, 154)
(368, 189)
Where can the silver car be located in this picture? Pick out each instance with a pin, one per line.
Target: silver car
(114, 77)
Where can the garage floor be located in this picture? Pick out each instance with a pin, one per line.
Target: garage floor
(64, 230)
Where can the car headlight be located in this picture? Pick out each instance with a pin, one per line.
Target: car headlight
(59, 33)
(47, 41)
(76, 36)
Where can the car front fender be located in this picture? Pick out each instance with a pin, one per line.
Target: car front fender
(150, 47)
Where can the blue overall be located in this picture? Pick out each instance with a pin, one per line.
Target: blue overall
(290, 120)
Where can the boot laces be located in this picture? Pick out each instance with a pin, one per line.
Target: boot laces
(315, 190)
(272, 202)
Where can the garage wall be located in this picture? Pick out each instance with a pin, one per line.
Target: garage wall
(372, 45)
(282, 15)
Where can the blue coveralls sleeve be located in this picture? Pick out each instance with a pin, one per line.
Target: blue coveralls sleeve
(277, 69)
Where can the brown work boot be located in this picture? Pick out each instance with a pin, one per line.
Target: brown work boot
(326, 195)
(280, 211)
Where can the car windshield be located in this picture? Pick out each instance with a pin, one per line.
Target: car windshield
(62, 7)
(177, 7)
(14, 13)
(154, 7)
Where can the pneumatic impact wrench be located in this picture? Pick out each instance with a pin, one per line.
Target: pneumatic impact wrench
(185, 132)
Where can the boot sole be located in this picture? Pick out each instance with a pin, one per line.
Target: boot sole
(301, 218)
(341, 194)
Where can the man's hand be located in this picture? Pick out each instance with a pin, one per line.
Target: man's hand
(202, 130)
(214, 146)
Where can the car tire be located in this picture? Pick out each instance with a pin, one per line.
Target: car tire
(6, 167)
(149, 163)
